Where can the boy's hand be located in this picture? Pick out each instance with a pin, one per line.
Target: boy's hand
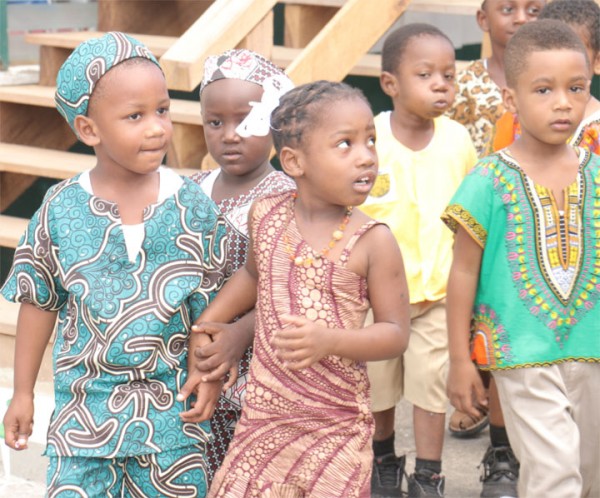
(18, 421)
(301, 343)
(465, 388)
(206, 402)
(220, 356)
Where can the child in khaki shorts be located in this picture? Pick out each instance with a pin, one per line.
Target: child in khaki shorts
(423, 157)
(420, 374)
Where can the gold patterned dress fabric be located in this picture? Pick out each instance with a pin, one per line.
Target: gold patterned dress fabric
(302, 433)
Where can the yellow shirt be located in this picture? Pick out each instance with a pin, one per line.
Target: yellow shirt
(410, 194)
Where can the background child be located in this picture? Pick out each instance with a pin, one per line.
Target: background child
(423, 157)
(306, 426)
(583, 16)
(126, 255)
(239, 88)
(478, 103)
(525, 264)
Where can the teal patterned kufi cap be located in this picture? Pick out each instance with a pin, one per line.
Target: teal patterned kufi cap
(91, 60)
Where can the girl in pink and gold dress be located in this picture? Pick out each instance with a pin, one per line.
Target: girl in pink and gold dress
(314, 268)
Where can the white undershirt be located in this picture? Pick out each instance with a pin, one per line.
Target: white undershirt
(169, 183)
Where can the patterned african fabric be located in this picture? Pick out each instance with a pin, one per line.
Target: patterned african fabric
(587, 134)
(120, 353)
(411, 191)
(302, 433)
(87, 64)
(235, 211)
(538, 290)
(478, 104)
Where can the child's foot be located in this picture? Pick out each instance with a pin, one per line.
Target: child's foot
(425, 482)
(500, 473)
(386, 479)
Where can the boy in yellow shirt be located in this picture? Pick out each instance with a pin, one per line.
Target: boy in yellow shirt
(423, 157)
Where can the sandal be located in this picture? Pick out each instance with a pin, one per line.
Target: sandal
(463, 425)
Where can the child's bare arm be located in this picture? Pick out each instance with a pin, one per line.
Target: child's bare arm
(303, 342)
(34, 328)
(465, 388)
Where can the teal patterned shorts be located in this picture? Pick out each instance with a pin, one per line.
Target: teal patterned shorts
(176, 473)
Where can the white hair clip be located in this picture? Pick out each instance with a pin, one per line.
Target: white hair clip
(258, 121)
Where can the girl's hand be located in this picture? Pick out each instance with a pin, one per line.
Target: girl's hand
(222, 355)
(18, 421)
(465, 388)
(302, 343)
(206, 401)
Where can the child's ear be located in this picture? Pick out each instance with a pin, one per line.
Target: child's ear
(290, 162)
(509, 100)
(482, 20)
(389, 84)
(596, 64)
(85, 129)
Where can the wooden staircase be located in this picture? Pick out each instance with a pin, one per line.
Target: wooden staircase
(323, 39)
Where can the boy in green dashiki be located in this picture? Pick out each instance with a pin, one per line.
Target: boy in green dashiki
(127, 255)
(525, 271)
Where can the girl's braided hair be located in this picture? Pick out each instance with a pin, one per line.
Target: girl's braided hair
(301, 108)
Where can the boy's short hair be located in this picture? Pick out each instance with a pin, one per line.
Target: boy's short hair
(538, 36)
(584, 13)
(396, 42)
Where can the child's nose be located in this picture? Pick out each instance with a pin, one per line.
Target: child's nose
(230, 134)
(156, 128)
(520, 16)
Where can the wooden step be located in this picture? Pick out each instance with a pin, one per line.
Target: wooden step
(158, 45)
(467, 7)
(11, 230)
(37, 161)
(182, 111)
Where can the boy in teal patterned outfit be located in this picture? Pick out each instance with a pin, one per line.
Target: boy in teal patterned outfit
(127, 255)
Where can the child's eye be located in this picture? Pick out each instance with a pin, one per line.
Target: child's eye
(424, 75)
(135, 116)
(162, 110)
(449, 77)
(506, 10)
(215, 123)
(577, 89)
(343, 144)
(543, 91)
(533, 11)
(371, 141)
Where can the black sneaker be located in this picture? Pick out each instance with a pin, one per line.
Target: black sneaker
(425, 482)
(386, 479)
(500, 473)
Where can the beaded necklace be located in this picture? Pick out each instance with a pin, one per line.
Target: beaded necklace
(336, 235)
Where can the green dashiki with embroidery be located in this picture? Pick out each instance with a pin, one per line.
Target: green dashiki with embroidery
(539, 283)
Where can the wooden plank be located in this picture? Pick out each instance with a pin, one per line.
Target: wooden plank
(182, 111)
(339, 46)
(260, 38)
(156, 17)
(38, 161)
(12, 230)
(466, 7)
(367, 65)
(158, 45)
(303, 22)
(224, 24)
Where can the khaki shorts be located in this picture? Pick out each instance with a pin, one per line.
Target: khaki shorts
(420, 374)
